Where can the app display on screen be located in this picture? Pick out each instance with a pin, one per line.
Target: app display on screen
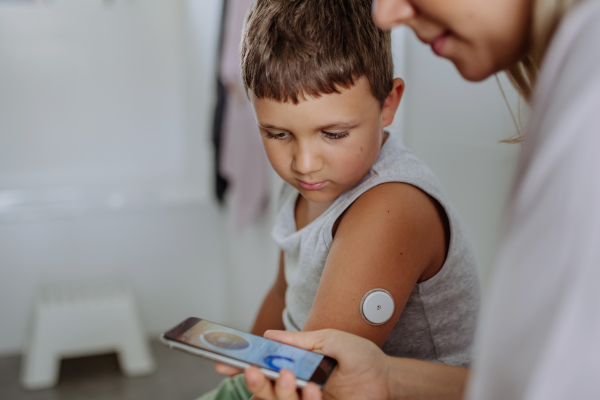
(251, 349)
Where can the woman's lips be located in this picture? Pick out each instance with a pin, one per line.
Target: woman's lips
(312, 186)
(438, 44)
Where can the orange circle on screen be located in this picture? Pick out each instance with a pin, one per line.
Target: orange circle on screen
(226, 340)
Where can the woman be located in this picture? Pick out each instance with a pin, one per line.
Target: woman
(538, 337)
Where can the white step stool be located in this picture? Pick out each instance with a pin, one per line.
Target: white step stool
(82, 320)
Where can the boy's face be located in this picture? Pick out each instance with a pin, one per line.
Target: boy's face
(324, 146)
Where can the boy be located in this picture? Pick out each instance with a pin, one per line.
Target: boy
(358, 210)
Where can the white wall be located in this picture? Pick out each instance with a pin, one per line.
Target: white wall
(92, 90)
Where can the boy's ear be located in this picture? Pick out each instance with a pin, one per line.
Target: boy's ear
(391, 103)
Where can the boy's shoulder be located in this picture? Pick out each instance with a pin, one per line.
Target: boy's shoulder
(397, 164)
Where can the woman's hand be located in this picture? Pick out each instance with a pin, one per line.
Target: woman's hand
(362, 371)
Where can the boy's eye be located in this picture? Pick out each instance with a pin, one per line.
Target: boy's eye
(280, 136)
(340, 135)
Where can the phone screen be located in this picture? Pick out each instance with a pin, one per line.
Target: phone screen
(251, 349)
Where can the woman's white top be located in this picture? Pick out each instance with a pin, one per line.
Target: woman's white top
(540, 333)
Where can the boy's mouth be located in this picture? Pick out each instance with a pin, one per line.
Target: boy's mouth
(312, 186)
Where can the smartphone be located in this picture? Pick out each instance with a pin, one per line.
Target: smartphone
(241, 350)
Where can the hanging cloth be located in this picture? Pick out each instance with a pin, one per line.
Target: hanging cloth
(242, 159)
(219, 114)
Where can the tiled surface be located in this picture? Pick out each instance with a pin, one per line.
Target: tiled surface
(178, 376)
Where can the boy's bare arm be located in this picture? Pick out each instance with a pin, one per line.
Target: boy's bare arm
(392, 237)
(269, 315)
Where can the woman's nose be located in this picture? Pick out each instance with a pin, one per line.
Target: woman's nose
(390, 13)
(306, 161)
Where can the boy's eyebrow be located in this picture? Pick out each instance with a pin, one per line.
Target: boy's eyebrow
(339, 124)
(269, 126)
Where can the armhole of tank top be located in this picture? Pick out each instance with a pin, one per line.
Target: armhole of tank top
(451, 245)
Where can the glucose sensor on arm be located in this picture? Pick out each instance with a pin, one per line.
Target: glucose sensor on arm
(377, 307)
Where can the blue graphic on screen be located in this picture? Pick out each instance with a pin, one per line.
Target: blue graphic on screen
(252, 349)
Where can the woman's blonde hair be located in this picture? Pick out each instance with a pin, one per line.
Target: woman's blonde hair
(547, 15)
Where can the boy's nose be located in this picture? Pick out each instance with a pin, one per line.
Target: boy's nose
(306, 161)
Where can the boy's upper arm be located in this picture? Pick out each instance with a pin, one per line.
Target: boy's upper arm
(387, 239)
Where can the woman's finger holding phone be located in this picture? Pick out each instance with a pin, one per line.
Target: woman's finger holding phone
(264, 389)
(258, 384)
(285, 386)
(227, 369)
(311, 392)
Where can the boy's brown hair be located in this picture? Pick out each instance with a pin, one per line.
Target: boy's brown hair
(296, 48)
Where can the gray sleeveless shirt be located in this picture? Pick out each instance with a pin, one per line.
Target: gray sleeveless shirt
(438, 321)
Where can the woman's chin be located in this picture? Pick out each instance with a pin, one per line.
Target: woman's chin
(473, 72)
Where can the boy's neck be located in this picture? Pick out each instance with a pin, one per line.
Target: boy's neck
(307, 211)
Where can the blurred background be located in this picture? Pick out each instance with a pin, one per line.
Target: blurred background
(114, 155)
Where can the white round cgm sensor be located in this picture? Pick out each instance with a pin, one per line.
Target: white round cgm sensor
(377, 307)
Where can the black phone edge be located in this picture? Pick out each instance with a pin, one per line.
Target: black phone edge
(323, 370)
(180, 329)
